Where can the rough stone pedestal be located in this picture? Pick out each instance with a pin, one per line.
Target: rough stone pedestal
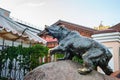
(63, 70)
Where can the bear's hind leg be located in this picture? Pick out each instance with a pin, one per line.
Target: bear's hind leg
(88, 65)
(107, 69)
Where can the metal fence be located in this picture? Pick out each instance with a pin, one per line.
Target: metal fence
(11, 70)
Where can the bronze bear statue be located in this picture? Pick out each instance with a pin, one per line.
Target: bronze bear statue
(71, 43)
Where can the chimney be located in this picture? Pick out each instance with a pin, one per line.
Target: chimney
(4, 12)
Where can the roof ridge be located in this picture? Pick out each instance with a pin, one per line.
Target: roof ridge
(115, 25)
(75, 25)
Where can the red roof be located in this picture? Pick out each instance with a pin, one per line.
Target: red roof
(48, 39)
(116, 27)
(105, 31)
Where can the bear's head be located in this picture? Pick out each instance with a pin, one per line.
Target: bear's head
(56, 31)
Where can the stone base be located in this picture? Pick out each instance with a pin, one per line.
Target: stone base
(63, 70)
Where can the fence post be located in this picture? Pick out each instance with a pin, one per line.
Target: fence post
(3, 44)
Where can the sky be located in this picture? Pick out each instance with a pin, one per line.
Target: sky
(88, 13)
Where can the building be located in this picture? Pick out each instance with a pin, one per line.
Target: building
(50, 41)
(101, 27)
(14, 32)
(111, 39)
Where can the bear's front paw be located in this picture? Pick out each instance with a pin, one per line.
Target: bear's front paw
(84, 70)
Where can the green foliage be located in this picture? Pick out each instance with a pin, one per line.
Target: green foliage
(36, 52)
(77, 59)
(3, 78)
(28, 57)
(59, 55)
(2, 60)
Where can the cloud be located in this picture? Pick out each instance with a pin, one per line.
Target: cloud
(35, 4)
